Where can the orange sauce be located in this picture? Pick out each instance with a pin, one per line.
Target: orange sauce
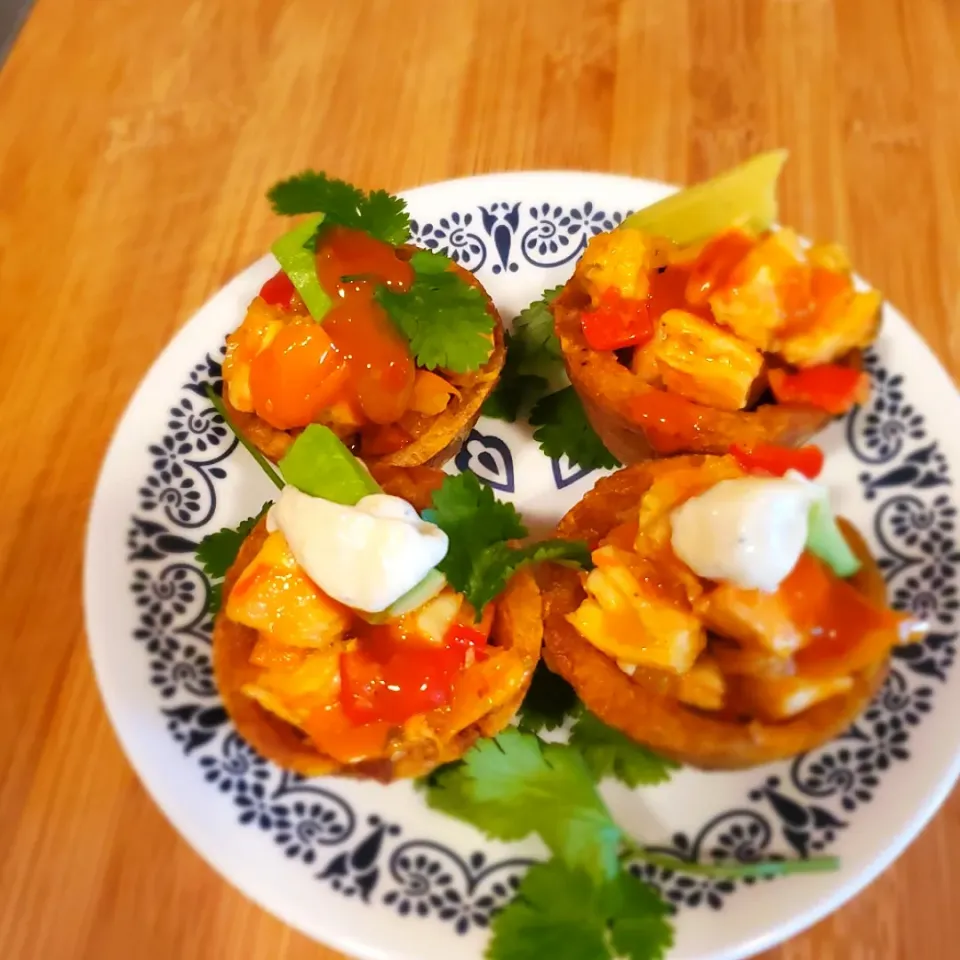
(355, 355)
(624, 535)
(670, 422)
(668, 291)
(715, 265)
(336, 735)
(297, 376)
(805, 293)
(845, 632)
(382, 370)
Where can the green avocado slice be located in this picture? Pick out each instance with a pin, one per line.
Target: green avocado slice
(826, 541)
(318, 464)
(300, 264)
(417, 595)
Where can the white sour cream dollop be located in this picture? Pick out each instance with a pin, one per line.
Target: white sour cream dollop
(749, 531)
(366, 556)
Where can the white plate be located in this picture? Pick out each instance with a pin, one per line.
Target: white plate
(369, 869)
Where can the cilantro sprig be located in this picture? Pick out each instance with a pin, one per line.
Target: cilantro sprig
(534, 382)
(444, 318)
(260, 459)
(217, 552)
(549, 703)
(504, 785)
(608, 753)
(480, 560)
(564, 430)
(534, 361)
(378, 213)
(559, 913)
(584, 901)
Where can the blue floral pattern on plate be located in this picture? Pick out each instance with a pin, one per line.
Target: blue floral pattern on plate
(365, 856)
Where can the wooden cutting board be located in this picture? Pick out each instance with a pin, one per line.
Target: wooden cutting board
(136, 140)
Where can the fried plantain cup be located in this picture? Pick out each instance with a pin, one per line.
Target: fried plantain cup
(434, 439)
(618, 403)
(651, 715)
(446, 733)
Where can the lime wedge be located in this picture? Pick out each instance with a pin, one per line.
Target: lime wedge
(745, 196)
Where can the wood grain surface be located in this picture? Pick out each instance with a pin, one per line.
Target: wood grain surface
(136, 140)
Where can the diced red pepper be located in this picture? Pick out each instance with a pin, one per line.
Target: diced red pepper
(398, 681)
(279, 291)
(829, 387)
(846, 631)
(774, 460)
(617, 322)
(384, 679)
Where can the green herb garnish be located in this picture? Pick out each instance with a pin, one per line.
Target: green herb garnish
(534, 382)
(515, 785)
(561, 914)
(261, 460)
(444, 318)
(534, 361)
(217, 552)
(378, 213)
(612, 754)
(564, 430)
(479, 561)
(549, 702)
(584, 902)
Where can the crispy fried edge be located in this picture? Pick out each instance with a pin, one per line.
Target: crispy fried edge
(518, 625)
(607, 388)
(658, 720)
(447, 432)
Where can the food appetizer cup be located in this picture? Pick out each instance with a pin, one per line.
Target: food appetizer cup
(729, 620)
(697, 324)
(354, 636)
(392, 347)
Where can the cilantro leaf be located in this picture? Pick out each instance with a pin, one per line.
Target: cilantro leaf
(494, 565)
(479, 561)
(553, 915)
(444, 318)
(514, 390)
(610, 753)
(217, 552)
(504, 786)
(385, 217)
(429, 261)
(472, 518)
(534, 361)
(379, 213)
(564, 430)
(640, 928)
(548, 703)
(314, 192)
(559, 913)
(534, 332)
